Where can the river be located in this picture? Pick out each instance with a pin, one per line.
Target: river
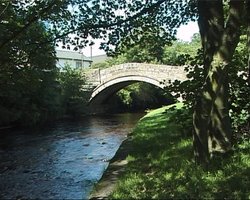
(62, 161)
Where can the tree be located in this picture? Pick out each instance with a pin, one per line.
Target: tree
(28, 90)
(209, 86)
(73, 97)
(98, 19)
(219, 37)
(115, 20)
(147, 47)
(179, 51)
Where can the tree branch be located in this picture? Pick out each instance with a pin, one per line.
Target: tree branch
(105, 25)
(231, 34)
(5, 8)
(30, 22)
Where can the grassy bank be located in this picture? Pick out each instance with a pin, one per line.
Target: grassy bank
(161, 164)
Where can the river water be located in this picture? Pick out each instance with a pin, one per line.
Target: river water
(62, 161)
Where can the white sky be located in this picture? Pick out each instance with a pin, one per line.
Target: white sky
(185, 32)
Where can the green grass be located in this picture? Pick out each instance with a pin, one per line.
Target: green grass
(161, 165)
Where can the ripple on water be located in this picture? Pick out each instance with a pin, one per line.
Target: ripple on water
(62, 161)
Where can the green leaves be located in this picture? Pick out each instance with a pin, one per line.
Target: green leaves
(73, 98)
(110, 19)
(27, 70)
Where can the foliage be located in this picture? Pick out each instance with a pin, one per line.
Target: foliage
(189, 88)
(73, 97)
(179, 52)
(148, 48)
(97, 19)
(191, 56)
(239, 88)
(239, 91)
(211, 74)
(141, 96)
(28, 90)
(116, 60)
(18, 17)
(161, 165)
(101, 65)
(139, 54)
(156, 50)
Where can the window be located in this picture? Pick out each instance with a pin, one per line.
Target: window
(78, 64)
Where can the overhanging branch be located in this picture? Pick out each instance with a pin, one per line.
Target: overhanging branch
(34, 19)
(86, 26)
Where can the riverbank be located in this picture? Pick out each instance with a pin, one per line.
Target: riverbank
(160, 164)
(111, 176)
(117, 166)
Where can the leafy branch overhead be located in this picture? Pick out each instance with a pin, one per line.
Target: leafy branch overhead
(110, 20)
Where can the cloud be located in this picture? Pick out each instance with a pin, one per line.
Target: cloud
(185, 32)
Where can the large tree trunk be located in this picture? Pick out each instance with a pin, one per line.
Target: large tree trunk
(211, 113)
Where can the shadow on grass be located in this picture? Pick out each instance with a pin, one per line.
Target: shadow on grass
(161, 166)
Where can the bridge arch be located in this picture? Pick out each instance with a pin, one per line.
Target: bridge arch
(106, 89)
(105, 82)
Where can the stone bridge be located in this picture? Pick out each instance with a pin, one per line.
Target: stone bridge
(106, 82)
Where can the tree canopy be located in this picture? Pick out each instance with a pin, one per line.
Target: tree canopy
(111, 20)
(123, 22)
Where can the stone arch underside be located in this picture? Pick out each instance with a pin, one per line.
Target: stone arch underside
(107, 89)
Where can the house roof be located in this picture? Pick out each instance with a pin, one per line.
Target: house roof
(74, 55)
(63, 54)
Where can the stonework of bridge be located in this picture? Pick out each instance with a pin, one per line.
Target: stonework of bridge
(108, 81)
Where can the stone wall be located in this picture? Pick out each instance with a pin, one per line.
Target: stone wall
(154, 71)
(109, 80)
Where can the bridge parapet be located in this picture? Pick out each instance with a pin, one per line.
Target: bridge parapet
(154, 71)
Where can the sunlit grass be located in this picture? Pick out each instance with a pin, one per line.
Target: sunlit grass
(161, 165)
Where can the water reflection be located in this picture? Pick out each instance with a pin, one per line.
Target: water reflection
(62, 161)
